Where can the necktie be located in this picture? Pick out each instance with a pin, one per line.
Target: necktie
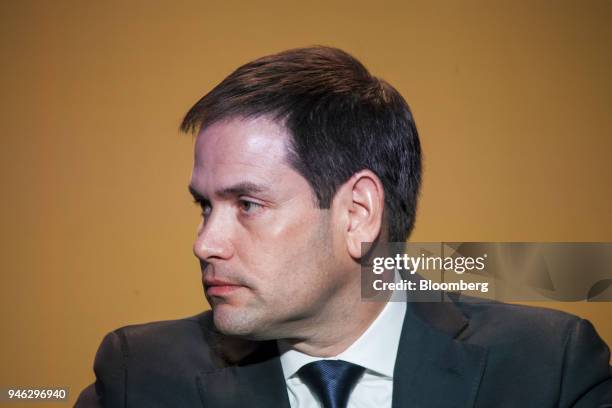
(331, 380)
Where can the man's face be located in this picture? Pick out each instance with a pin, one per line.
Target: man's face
(269, 257)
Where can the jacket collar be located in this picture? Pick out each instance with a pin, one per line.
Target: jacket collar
(432, 368)
(255, 382)
(243, 373)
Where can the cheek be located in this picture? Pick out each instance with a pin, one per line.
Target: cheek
(286, 254)
(294, 224)
(283, 228)
(276, 250)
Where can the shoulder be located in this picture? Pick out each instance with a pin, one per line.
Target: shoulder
(193, 325)
(155, 361)
(506, 328)
(178, 346)
(495, 318)
(164, 338)
(539, 330)
(526, 343)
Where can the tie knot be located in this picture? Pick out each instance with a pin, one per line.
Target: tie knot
(331, 380)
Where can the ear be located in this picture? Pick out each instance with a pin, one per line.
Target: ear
(362, 203)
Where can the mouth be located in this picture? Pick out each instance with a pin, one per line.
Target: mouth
(218, 287)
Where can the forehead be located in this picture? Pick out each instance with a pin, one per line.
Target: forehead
(237, 149)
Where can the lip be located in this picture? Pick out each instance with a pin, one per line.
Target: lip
(218, 287)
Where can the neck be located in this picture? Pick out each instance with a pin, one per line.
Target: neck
(332, 333)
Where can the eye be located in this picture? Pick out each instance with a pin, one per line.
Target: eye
(249, 207)
(205, 208)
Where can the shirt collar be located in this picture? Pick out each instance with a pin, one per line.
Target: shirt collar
(375, 349)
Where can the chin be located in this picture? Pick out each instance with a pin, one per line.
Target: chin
(241, 324)
(233, 322)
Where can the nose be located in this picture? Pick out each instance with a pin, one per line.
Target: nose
(213, 242)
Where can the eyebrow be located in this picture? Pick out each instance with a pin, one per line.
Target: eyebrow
(243, 188)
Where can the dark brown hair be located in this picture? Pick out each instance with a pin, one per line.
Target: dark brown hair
(341, 119)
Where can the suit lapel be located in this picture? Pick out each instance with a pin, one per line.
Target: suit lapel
(432, 369)
(257, 381)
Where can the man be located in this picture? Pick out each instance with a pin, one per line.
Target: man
(300, 158)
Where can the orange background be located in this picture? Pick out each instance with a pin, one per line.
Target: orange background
(512, 100)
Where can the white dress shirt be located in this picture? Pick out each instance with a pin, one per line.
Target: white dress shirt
(375, 350)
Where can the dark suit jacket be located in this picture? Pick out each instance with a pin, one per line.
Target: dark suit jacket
(450, 355)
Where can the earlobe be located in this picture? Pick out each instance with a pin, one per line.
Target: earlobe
(365, 210)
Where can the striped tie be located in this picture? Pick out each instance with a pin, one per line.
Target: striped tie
(331, 380)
